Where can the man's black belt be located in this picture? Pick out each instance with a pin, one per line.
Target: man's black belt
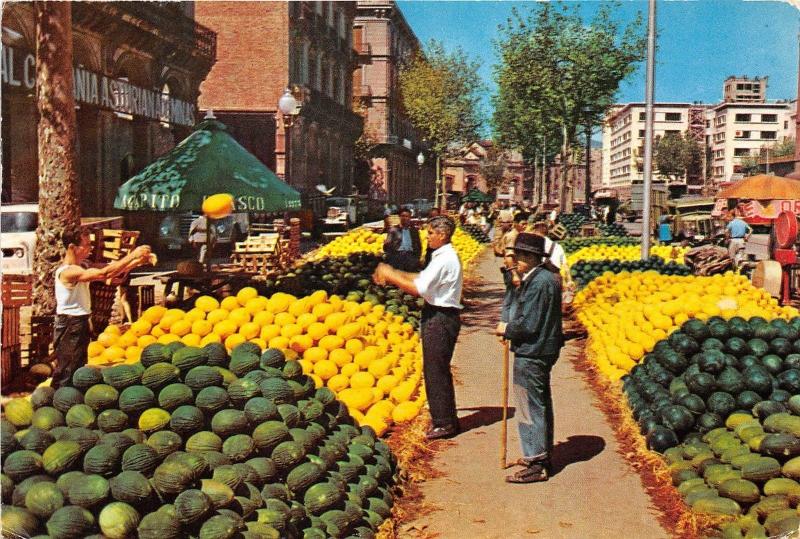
(448, 310)
(74, 315)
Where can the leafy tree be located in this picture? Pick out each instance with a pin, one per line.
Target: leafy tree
(59, 209)
(557, 71)
(677, 156)
(441, 93)
(783, 148)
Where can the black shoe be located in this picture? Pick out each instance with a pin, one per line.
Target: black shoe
(438, 433)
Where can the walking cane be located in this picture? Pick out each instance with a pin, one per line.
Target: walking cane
(504, 429)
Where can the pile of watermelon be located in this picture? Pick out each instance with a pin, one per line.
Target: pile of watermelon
(572, 245)
(721, 400)
(585, 271)
(191, 442)
(477, 233)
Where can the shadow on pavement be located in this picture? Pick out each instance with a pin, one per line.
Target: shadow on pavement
(483, 416)
(579, 448)
(481, 311)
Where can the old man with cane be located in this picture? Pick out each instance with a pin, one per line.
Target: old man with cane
(439, 284)
(531, 322)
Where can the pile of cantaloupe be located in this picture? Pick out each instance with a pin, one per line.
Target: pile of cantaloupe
(626, 314)
(371, 358)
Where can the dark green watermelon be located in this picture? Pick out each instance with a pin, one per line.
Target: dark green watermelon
(764, 331)
(709, 421)
(673, 361)
(721, 403)
(683, 344)
(780, 346)
(747, 399)
(772, 363)
(737, 346)
(764, 409)
(712, 343)
(730, 381)
(747, 361)
(677, 418)
(693, 403)
(702, 384)
(719, 330)
(758, 347)
(661, 438)
(695, 329)
(792, 361)
(789, 380)
(712, 361)
(758, 379)
(739, 327)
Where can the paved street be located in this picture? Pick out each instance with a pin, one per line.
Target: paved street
(474, 500)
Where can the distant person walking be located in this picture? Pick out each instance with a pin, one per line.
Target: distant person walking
(71, 330)
(531, 322)
(198, 238)
(440, 285)
(737, 231)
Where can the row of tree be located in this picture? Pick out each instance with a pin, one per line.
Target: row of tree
(558, 74)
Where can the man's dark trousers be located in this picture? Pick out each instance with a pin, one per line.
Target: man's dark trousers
(70, 341)
(439, 328)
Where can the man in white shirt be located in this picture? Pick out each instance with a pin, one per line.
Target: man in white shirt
(71, 332)
(552, 250)
(439, 284)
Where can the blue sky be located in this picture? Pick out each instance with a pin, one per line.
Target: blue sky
(700, 43)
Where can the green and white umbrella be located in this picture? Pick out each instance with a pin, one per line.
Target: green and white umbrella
(207, 162)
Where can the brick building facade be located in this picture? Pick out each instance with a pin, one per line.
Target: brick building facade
(266, 47)
(383, 39)
(464, 172)
(138, 67)
(578, 173)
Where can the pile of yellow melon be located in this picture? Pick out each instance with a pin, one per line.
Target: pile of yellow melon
(358, 240)
(363, 240)
(369, 357)
(625, 314)
(625, 252)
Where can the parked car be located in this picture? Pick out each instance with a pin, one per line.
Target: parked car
(173, 231)
(18, 228)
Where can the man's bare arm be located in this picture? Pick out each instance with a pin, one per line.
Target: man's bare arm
(401, 279)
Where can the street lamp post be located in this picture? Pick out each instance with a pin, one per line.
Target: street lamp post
(648, 141)
(290, 108)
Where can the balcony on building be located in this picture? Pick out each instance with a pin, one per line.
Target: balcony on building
(158, 28)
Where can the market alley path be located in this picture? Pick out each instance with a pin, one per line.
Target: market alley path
(593, 494)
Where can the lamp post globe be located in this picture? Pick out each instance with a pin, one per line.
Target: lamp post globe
(421, 159)
(287, 104)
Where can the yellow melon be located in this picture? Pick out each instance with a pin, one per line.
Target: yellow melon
(349, 369)
(153, 314)
(107, 339)
(95, 349)
(338, 382)
(218, 206)
(208, 339)
(141, 327)
(315, 354)
(180, 328)
(331, 342)
(290, 330)
(250, 330)
(202, 327)
(341, 357)
(316, 330)
(229, 303)
(280, 342)
(246, 294)
(191, 339)
(263, 318)
(217, 315)
(362, 380)
(270, 331)
(325, 369)
(225, 328)
(234, 340)
(206, 303)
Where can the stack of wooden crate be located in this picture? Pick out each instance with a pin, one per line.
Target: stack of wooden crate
(260, 254)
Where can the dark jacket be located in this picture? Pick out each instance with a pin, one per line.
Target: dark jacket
(394, 239)
(532, 313)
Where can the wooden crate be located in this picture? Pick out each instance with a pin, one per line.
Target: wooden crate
(41, 339)
(112, 244)
(103, 297)
(11, 362)
(140, 297)
(17, 290)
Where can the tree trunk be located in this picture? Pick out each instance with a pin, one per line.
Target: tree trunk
(58, 190)
(565, 184)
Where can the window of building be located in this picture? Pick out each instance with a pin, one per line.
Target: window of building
(672, 132)
(769, 135)
(741, 152)
(641, 133)
(769, 118)
(642, 116)
(672, 117)
(742, 118)
(708, 123)
(318, 6)
(742, 134)
(786, 124)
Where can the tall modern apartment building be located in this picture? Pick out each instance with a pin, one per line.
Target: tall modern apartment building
(739, 126)
(623, 141)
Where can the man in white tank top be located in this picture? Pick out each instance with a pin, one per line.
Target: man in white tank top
(73, 301)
